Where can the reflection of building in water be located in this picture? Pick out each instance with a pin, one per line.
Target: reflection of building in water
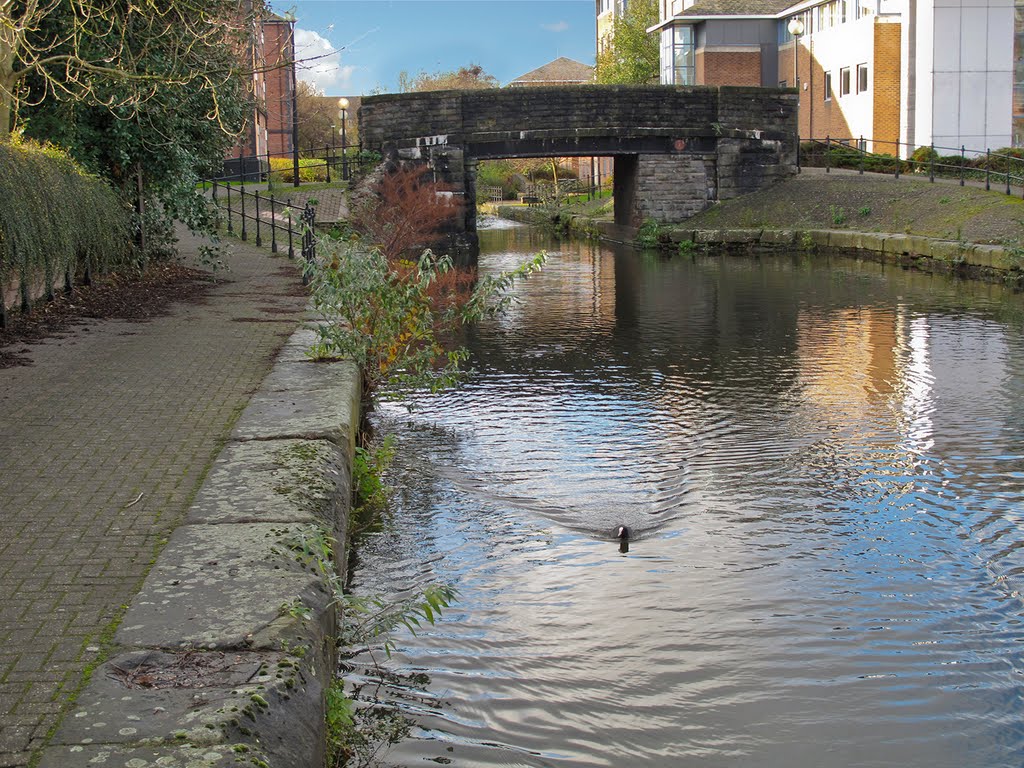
(932, 373)
(846, 357)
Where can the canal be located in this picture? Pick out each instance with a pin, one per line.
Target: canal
(821, 461)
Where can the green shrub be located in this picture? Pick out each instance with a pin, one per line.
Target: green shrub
(56, 221)
(282, 170)
(498, 173)
(924, 156)
(649, 234)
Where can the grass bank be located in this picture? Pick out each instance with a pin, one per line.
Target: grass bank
(848, 201)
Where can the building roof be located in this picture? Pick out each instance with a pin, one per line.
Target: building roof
(557, 72)
(703, 8)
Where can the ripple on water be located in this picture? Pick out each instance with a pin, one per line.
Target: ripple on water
(824, 468)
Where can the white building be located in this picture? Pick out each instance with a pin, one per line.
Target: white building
(956, 76)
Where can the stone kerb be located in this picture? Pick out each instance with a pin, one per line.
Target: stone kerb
(224, 656)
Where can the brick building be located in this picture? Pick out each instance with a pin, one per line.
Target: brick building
(899, 73)
(271, 60)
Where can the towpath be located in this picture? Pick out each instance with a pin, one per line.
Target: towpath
(104, 439)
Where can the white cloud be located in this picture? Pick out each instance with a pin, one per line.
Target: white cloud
(558, 26)
(319, 63)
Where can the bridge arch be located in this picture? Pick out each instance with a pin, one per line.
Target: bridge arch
(677, 149)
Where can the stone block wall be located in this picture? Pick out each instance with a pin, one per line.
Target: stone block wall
(672, 188)
(619, 112)
(746, 166)
(402, 119)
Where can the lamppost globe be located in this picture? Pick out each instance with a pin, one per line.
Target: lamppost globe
(796, 26)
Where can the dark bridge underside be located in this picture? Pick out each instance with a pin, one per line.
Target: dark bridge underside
(676, 149)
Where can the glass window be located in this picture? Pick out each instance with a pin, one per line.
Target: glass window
(842, 11)
(680, 64)
(862, 78)
(844, 81)
(828, 86)
(823, 19)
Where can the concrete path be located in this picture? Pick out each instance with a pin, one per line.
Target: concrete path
(104, 440)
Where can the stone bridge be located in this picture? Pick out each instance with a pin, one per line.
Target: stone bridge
(676, 149)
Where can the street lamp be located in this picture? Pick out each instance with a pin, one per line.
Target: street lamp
(343, 114)
(796, 29)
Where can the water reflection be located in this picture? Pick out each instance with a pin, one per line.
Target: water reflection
(821, 466)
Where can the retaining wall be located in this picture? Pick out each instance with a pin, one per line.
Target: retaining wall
(976, 260)
(225, 655)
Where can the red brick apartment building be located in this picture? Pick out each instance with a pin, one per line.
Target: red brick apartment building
(270, 128)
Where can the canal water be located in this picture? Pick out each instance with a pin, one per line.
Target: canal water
(822, 464)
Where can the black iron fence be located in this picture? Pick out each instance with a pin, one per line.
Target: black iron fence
(246, 213)
(1002, 170)
(325, 164)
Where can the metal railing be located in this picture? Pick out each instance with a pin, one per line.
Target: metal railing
(267, 213)
(1003, 171)
(315, 164)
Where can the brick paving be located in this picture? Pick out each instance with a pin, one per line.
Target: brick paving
(111, 411)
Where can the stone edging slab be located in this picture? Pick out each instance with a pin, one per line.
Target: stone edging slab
(224, 656)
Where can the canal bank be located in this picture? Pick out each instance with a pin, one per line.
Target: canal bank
(940, 227)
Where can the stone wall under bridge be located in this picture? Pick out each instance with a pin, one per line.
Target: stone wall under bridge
(676, 149)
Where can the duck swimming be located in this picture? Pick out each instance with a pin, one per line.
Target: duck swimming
(622, 534)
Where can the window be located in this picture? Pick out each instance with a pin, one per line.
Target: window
(844, 81)
(862, 78)
(823, 18)
(828, 86)
(678, 63)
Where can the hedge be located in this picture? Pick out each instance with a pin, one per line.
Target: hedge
(57, 222)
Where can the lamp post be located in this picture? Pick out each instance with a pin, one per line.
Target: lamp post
(343, 114)
(796, 29)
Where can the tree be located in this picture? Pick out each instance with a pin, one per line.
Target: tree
(631, 53)
(318, 119)
(148, 96)
(472, 77)
(317, 115)
(79, 50)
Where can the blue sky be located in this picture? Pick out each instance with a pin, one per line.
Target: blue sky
(377, 39)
